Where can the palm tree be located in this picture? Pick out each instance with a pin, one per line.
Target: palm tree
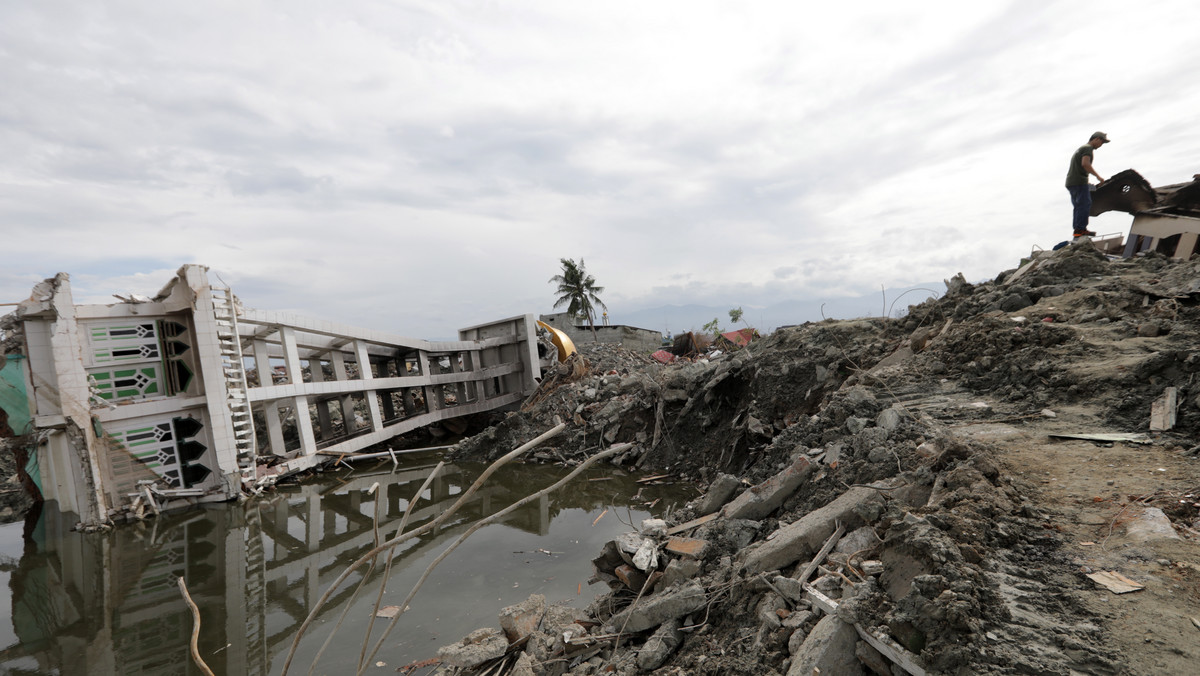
(578, 291)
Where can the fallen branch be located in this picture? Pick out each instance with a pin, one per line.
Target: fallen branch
(194, 644)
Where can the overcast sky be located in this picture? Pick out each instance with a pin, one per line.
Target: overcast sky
(420, 166)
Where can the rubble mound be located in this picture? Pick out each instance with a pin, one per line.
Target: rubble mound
(886, 496)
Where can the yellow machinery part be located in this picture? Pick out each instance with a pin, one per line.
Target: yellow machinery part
(562, 341)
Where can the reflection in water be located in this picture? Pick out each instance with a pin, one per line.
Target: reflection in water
(108, 603)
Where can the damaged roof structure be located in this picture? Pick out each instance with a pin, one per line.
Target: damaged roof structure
(1165, 219)
(189, 397)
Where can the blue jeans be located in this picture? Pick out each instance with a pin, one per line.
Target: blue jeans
(1081, 198)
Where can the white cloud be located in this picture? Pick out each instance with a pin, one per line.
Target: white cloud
(419, 166)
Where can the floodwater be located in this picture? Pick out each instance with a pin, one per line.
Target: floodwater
(109, 603)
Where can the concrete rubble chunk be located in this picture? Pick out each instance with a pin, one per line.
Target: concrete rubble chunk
(829, 648)
(653, 611)
(659, 647)
(522, 619)
(873, 659)
(889, 419)
(646, 556)
(654, 528)
(761, 500)
(523, 666)
(478, 647)
(680, 570)
(719, 493)
(804, 537)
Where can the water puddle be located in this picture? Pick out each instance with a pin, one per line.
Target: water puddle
(110, 604)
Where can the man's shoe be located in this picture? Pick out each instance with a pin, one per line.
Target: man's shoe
(1085, 233)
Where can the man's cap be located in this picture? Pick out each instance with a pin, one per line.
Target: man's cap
(1100, 135)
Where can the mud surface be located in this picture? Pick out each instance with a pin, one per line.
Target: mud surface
(976, 551)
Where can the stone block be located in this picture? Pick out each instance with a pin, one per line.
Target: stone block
(763, 499)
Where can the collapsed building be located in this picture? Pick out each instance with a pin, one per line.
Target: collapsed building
(188, 397)
(1165, 219)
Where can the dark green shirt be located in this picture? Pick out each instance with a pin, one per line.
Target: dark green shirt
(1076, 174)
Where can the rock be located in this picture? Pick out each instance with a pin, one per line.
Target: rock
(855, 425)
(522, 619)
(1015, 301)
(803, 537)
(719, 493)
(1148, 330)
(478, 647)
(888, 419)
(663, 606)
(680, 570)
(659, 647)
(828, 648)
(761, 500)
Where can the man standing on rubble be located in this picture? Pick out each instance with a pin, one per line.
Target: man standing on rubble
(1077, 182)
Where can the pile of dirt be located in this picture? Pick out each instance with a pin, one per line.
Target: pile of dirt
(961, 533)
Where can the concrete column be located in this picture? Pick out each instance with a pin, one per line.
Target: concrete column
(324, 421)
(308, 441)
(274, 427)
(312, 522)
(291, 355)
(364, 366)
(262, 363)
(1187, 242)
(338, 359)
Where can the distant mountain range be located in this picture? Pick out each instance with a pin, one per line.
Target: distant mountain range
(684, 318)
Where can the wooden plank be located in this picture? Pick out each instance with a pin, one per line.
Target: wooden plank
(674, 530)
(1162, 411)
(830, 543)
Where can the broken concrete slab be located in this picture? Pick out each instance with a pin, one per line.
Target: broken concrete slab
(1150, 524)
(478, 647)
(719, 493)
(763, 499)
(803, 537)
(828, 649)
(653, 611)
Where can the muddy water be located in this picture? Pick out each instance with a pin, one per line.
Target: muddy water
(110, 604)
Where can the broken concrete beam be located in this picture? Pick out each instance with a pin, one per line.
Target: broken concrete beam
(1162, 411)
(653, 611)
(719, 493)
(659, 647)
(478, 647)
(520, 620)
(802, 538)
(689, 547)
(761, 500)
(828, 649)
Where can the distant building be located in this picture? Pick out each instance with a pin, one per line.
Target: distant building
(630, 337)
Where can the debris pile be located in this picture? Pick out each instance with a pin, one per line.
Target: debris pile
(862, 513)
